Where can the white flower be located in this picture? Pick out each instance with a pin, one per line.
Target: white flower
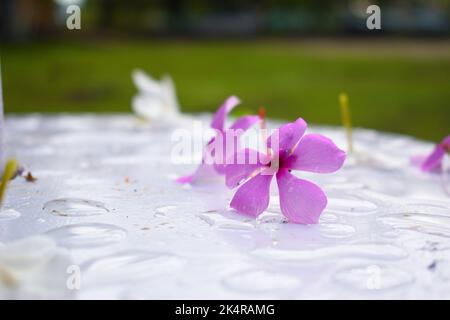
(156, 100)
(34, 268)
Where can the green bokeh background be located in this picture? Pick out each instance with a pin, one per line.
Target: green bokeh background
(393, 86)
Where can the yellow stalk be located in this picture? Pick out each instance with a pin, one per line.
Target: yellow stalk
(8, 172)
(346, 119)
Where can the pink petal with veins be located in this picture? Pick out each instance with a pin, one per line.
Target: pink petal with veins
(315, 153)
(287, 137)
(245, 163)
(252, 198)
(219, 118)
(301, 201)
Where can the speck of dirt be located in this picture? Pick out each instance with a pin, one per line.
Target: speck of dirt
(29, 177)
(432, 266)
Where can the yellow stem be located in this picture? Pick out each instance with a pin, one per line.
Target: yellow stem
(346, 119)
(8, 172)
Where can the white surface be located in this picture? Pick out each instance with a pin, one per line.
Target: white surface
(137, 234)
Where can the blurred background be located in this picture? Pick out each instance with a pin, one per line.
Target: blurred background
(293, 57)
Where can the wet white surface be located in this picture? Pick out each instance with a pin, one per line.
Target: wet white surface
(105, 195)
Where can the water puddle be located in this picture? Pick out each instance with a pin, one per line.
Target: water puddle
(9, 214)
(87, 235)
(219, 221)
(423, 223)
(134, 264)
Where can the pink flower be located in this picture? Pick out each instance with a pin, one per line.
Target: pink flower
(301, 201)
(434, 161)
(219, 143)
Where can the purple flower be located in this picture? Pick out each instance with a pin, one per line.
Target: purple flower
(301, 201)
(434, 161)
(216, 148)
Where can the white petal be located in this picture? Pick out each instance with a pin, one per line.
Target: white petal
(156, 100)
(145, 83)
(34, 268)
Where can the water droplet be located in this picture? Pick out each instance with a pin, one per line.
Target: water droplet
(328, 217)
(424, 223)
(221, 222)
(351, 206)
(336, 230)
(73, 207)
(380, 199)
(9, 214)
(255, 281)
(87, 235)
(131, 265)
(162, 211)
(373, 277)
(271, 217)
(367, 251)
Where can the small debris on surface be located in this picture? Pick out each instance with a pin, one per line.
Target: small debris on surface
(209, 211)
(432, 266)
(29, 177)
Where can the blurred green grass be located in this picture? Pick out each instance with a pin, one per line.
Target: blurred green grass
(390, 90)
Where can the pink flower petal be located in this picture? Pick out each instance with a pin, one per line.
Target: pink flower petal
(287, 136)
(417, 160)
(203, 172)
(218, 121)
(315, 153)
(244, 123)
(244, 164)
(220, 168)
(434, 160)
(301, 201)
(186, 179)
(230, 139)
(252, 198)
(223, 146)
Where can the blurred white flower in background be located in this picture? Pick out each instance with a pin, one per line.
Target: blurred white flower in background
(156, 100)
(34, 268)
